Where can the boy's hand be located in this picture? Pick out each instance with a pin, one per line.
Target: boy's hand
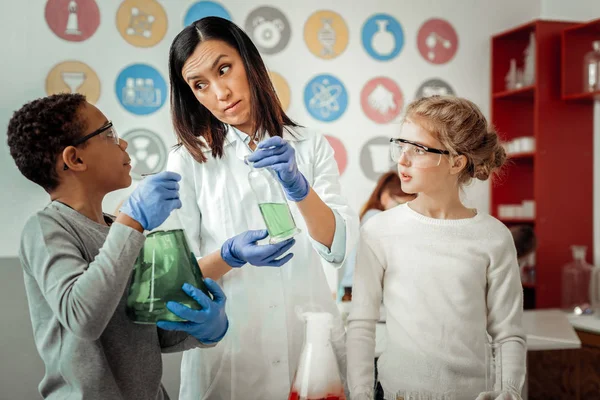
(207, 325)
(130, 222)
(153, 200)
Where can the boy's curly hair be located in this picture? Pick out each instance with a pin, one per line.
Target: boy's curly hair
(39, 131)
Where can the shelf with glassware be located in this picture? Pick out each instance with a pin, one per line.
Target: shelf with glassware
(580, 61)
(538, 187)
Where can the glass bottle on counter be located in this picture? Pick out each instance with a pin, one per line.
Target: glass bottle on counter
(576, 276)
(164, 264)
(591, 68)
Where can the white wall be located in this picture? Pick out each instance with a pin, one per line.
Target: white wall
(30, 50)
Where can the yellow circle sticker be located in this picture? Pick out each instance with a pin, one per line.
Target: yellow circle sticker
(73, 77)
(142, 23)
(282, 88)
(326, 34)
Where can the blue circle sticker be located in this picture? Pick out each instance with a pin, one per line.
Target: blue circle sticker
(382, 37)
(325, 98)
(141, 89)
(203, 9)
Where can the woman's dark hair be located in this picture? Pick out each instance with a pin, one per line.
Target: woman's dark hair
(40, 130)
(390, 181)
(190, 118)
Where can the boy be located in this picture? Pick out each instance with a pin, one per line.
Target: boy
(77, 261)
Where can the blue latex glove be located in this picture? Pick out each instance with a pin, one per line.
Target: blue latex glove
(276, 154)
(153, 200)
(207, 325)
(242, 249)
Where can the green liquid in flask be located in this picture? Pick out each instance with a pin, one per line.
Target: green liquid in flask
(279, 221)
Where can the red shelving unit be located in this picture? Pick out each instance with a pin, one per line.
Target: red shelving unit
(576, 42)
(557, 178)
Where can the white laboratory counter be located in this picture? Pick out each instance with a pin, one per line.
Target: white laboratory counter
(545, 329)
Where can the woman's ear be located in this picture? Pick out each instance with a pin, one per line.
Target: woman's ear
(457, 164)
(72, 160)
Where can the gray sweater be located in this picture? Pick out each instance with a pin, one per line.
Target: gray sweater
(76, 277)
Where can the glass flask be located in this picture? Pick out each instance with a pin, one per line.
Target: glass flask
(576, 282)
(591, 68)
(595, 291)
(164, 264)
(318, 374)
(272, 203)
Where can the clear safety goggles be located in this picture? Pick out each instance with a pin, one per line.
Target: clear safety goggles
(418, 155)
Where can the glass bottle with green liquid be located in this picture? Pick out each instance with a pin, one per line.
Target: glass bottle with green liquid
(164, 264)
(272, 204)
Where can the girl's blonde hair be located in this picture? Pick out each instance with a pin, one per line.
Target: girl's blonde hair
(463, 130)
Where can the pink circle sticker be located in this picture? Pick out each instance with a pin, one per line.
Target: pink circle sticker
(437, 41)
(340, 154)
(73, 20)
(381, 100)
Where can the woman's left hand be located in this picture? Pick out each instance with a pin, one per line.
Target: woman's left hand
(277, 154)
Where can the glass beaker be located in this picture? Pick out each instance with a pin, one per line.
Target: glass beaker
(164, 264)
(318, 374)
(591, 68)
(576, 276)
(272, 204)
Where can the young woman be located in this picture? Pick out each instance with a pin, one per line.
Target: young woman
(224, 109)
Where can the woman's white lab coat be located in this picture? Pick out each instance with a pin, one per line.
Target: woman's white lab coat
(258, 356)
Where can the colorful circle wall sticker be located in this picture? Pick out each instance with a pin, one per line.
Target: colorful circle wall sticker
(375, 157)
(269, 29)
(72, 20)
(73, 77)
(437, 41)
(203, 9)
(340, 153)
(325, 98)
(141, 89)
(326, 34)
(382, 37)
(142, 23)
(282, 88)
(147, 150)
(433, 87)
(381, 100)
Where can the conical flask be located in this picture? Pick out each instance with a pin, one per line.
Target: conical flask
(164, 264)
(273, 204)
(318, 374)
(576, 277)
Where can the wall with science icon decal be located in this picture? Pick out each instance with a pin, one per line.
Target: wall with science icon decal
(347, 71)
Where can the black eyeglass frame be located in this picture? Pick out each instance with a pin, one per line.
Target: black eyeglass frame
(87, 137)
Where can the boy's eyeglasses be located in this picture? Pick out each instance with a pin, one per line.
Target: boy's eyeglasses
(420, 156)
(111, 134)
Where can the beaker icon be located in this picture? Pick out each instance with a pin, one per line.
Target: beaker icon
(164, 264)
(273, 204)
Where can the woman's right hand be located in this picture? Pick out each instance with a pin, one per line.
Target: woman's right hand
(242, 249)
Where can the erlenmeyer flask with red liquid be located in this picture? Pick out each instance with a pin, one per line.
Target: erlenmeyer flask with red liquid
(318, 373)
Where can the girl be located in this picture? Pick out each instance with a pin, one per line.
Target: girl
(448, 275)
(225, 107)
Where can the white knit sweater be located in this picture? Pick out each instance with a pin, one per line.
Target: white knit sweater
(446, 285)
